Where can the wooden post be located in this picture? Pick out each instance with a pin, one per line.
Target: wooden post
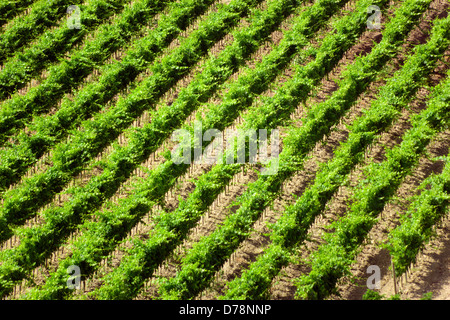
(394, 276)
